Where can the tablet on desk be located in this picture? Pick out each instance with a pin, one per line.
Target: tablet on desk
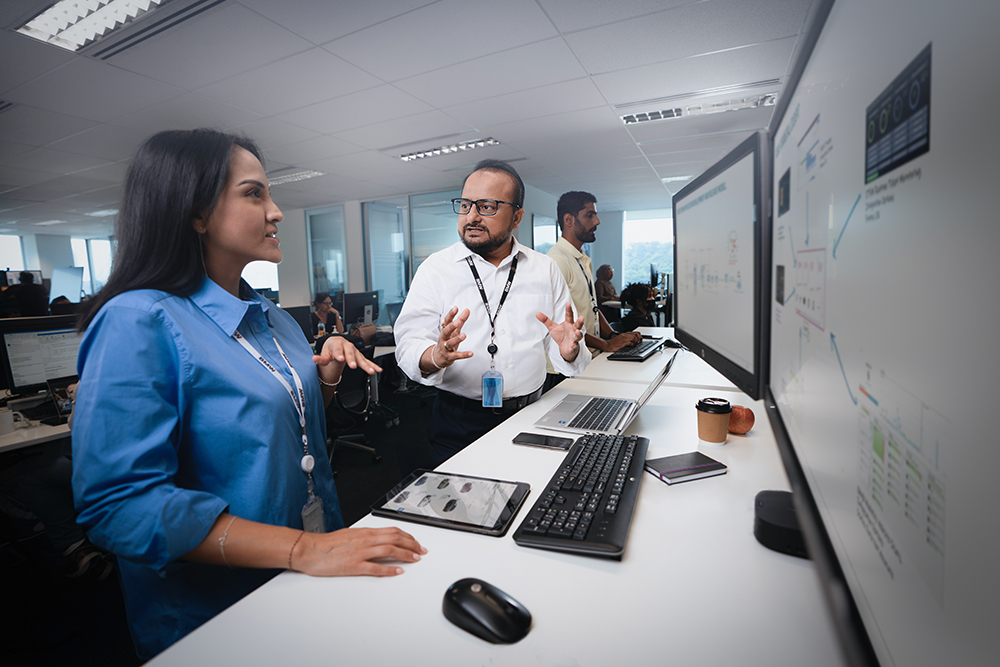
(460, 502)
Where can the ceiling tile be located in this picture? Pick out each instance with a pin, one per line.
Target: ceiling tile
(187, 112)
(296, 81)
(38, 127)
(364, 108)
(427, 128)
(92, 89)
(757, 62)
(221, 42)
(270, 133)
(322, 20)
(572, 15)
(685, 31)
(107, 141)
(33, 58)
(441, 34)
(304, 152)
(54, 162)
(557, 98)
(539, 64)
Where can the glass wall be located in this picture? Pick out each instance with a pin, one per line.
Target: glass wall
(386, 223)
(433, 224)
(647, 239)
(544, 232)
(11, 255)
(94, 255)
(327, 251)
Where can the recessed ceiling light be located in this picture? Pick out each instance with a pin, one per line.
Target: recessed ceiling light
(73, 24)
(293, 176)
(453, 148)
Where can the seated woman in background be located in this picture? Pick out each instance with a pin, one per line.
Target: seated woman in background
(326, 315)
(199, 443)
(639, 297)
(605, 291)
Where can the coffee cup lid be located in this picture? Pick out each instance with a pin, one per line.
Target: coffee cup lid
(714, 405)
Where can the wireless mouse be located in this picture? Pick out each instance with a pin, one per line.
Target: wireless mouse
(486, 611)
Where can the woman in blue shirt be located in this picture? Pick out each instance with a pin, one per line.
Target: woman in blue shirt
(199, 431)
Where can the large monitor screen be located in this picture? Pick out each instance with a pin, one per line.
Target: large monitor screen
(36, 349)
(719, 227)
(883, 333)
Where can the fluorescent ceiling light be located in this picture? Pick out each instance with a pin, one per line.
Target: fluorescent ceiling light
(453, 148)
(293, 176)
(765, 100)
(49, 223)
(676, 179)
(73, 24)
(102, 214)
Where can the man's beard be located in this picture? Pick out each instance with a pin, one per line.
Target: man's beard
(487, 245)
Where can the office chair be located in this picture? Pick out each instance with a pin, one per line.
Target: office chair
(352, 405)
(392, 309)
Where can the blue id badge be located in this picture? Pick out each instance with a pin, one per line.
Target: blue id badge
(492, 389)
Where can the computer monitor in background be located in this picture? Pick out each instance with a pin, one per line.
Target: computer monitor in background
(67, 282)
(654, 276)
(14, 277)
(360, 308)
(721, 250)
(36, 349)
(885, 162)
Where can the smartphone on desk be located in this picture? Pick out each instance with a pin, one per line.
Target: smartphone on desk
(540, 440)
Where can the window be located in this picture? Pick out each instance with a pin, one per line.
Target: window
(433, 224)
(261, 275)
(647, 239)
(11, 256)
(94, 255)
(327, 251)
(544, 233)
(385, 238)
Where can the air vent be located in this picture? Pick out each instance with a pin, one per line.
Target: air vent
(163, 20)
(452, 148)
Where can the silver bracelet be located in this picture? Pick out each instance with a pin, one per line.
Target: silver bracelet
(440, 368)
(327, 384)
(222, 543)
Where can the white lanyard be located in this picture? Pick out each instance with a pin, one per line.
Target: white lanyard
(300, 402)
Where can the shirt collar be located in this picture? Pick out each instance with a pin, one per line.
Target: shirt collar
(461, 251)
(570, 248)
(225, 309)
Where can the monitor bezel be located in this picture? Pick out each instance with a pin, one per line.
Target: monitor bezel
(362, 297)
(753, 382)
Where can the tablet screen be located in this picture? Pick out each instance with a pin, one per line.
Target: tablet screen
(457, 501)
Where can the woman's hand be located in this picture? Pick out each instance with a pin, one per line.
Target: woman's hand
(355, 551)
(338, 352)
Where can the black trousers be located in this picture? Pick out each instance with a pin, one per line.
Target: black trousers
(453, 428)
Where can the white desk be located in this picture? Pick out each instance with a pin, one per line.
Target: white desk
(694, 587)
(688, 370)
(35, 434)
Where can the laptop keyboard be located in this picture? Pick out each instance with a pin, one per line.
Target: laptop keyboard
(598, 414)
(587, 506)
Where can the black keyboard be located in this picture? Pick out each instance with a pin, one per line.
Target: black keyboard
(598, 414)
(45, 410)
(586, 508)
(635, 352)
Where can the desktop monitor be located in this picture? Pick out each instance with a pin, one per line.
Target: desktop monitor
(14, 277)
(721, 250)
(654, 276)
(883, 381)
(36, 349)
(67, 282)
(359, 308)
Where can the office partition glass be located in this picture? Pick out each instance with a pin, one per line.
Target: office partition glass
(544, 232)
(385, 240)
(11, 255)
(94, 255)
(327, 250)
(647, 240)
(433, 224)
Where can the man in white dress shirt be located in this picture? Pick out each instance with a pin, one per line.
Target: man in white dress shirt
(482, 313)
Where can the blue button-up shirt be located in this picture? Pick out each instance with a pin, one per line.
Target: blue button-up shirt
(174, 423)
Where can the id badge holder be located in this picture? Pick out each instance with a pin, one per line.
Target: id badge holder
(312, 515)
(492, 389)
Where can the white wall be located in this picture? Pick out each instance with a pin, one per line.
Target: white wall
(293, 272)
(536, 202)
(607, 249)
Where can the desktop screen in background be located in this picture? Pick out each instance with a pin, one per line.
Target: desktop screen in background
(714, 236)
(37, 356)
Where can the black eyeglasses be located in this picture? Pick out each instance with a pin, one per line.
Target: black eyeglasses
(486, 207)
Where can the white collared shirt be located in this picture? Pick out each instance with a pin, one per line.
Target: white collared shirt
(444, 280)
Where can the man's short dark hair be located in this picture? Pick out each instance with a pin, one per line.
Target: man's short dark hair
(500, 165)
(572, 203)
(27, 277)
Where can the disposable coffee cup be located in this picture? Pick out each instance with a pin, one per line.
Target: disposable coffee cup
(713, 421)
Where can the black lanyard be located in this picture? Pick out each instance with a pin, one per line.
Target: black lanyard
(593, 299)
(492, 349)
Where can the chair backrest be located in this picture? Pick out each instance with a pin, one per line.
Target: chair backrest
(354, 391)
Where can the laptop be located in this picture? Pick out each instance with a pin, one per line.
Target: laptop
(58, 390)
(639, 352)
(578, 413)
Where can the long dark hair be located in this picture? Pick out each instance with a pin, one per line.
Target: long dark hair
(174, 177)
